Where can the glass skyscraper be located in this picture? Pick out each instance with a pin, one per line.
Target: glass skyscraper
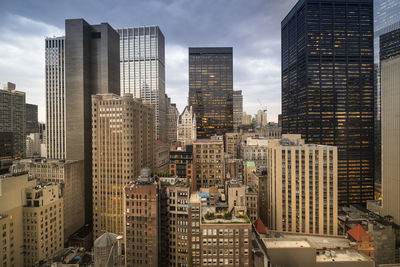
(142, 59)
(211, 89)
(328, 86)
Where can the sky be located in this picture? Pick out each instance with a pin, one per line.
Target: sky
(251, 27)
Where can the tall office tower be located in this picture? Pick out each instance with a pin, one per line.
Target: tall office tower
(208, 160)
(142, 60)
(211, 89)
(217, 236)
(178, 195)
(328, 86)
(302, 186)
(33, 148)
(12, 123)
(43, 223)
(141, 216)
(55, 97)
(237, 109)
(386, 19)
(69, 174)
(123, 144)
(187, 130)
(32, 124)
(390, 69)
(91, 67)
(261, 119)
(12, 201)
(172, 122)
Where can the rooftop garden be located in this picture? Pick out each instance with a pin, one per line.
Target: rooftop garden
(224, 218)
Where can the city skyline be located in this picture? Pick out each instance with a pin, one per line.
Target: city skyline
(256, 60)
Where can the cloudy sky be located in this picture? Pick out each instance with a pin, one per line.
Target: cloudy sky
(251, 27)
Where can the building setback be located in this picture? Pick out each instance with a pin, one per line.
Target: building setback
(211, 89)
(12, 123)
(301, 187)
(69, 174)
(91, 67)
(123, 144)
(142, 64)
(43, 220)
(328, 86)
(55, 97)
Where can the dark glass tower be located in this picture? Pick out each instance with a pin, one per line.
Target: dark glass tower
(389, 44)
(328, 86)
(211, 89)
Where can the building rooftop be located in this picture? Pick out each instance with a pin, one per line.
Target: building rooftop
(338, 255)
(317, 241)
(286, 244)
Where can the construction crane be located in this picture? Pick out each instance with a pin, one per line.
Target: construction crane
(264, 108)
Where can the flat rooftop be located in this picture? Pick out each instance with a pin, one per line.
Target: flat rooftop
(286, 243)
(345, 255)
(316, 241)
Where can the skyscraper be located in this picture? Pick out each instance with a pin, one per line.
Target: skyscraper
(390, 69)
(328, 86)
(12, 123)
(142, 60)
(386, 19)
(123, 144)
(32, 124)
(55, 97)
(91, 67)
(237, 109)
(211, 89)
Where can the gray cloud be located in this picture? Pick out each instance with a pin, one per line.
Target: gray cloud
(251, 27)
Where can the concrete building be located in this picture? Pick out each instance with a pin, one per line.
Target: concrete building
(33, 145)
(12, 123)
(255, 150)
(178, 195)
(55, 97)
(217, 235)
(237, 109)
(91, 67)
(161, 158)
(187, 131)
(271, 130)
(69, 175)
(123, 144)
(43, 223)
(181, 164)
(172, 122)
(384, 233)
(32, 124)
(142, 64)
(256, 193)
(234, 169)
(390, 137)
(236, 194)
(302, 186)
(246, 119)
(261, 119)
(12, 200)
(232, 145)
(141, 221)
(312, 251)
(208, 159)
